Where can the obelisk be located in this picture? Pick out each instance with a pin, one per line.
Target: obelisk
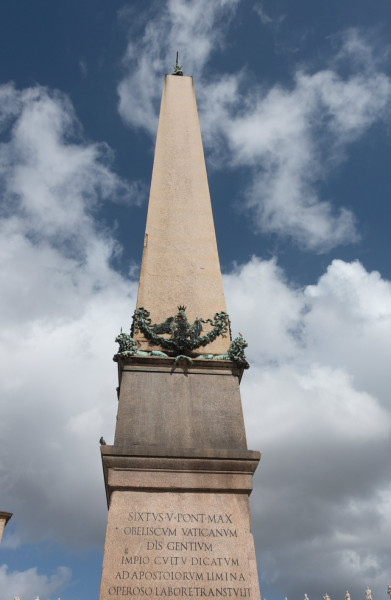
(179, 473)
(180, 260)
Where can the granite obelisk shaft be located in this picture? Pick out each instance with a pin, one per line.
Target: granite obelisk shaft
(180, 264)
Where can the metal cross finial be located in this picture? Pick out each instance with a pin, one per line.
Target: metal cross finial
(177, 68)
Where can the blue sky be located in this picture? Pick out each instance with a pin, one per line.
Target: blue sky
(294, 104)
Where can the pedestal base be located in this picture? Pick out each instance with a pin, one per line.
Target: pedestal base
(179, 526)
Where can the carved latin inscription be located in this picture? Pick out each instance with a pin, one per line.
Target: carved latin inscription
(178, 553)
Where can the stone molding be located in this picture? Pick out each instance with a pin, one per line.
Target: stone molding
(199, 365)
(169, 469)
(4, 515)
(4, 518)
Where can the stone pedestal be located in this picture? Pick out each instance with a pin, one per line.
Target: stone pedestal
(179, 524)
(187, 406)
(177, 483)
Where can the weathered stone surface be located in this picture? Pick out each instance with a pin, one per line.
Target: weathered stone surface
(180, 260)
(183, 545)
(191, 407)
(167, 469)
(4, 518)
(178, 523)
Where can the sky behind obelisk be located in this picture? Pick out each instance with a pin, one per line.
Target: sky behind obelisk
(294, 103)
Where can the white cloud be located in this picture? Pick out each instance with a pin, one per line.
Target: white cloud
(317, 405)
(269, 309)
(178, 25)
(288, 137)
(363, 49)
(83, 68)
(29, 584)
(348, 294)
(61, 304)
(266, 19)
(49, 173)
(291, 138)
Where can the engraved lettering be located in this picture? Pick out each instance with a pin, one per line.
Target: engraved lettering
(154, 545)
(150, 516)
(179, 557)
(217, 561)
(135, 560)
(223, 592)
(204, 532)
(226, 576)
(160, 575)
(120, 590)
(170, 560)
(203, 518)
(154, 531)
(193, 546)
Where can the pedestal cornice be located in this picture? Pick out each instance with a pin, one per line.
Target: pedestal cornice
(5, 515)
(191, 469)
(168, 364)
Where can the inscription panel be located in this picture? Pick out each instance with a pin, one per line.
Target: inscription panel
(178, 545)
